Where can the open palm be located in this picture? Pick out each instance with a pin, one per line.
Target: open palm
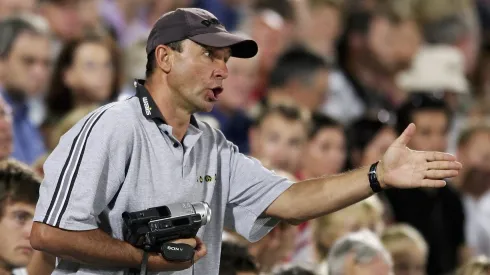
(406, 168)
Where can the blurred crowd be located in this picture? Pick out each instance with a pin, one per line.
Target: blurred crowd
(334, 83)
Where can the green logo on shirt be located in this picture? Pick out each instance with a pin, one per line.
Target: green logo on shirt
(207, 178)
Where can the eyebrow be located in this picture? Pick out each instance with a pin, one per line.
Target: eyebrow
(210, 48)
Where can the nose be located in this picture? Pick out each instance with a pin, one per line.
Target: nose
(221, 71)
(27, 229)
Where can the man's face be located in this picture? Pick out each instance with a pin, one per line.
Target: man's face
(241, 80)
(311, 96)
(91, 74)
(278, 142)
(375, 150)
(28, 65)
(6, 144)
(431, 134)
(196, 75)
(476, 152)
(325, 152)
(15, 229)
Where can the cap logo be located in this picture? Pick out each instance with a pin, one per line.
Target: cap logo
(209, 22)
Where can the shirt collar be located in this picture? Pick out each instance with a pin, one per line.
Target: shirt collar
(148, 105)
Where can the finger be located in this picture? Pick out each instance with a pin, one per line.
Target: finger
(440, 174)
(405, 137)
(201, 251)
(437, 156)
(432, 183)
(192, 242)
(443, 165)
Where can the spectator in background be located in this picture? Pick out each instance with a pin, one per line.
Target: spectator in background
(369, 140)
(278, 138)
(319, 24)
(87, 72)
(408, 249)
(229, 113)
(64, 20)
(275, 248)
(375, 46)
(19, 192)
(14, 7)
(477, 266)
(270, 25)
(474, 153)
(325, 152)
(235, 260)
(328, 229)
(438, 214)
(298, 78)
(359, 253)
(24, 73)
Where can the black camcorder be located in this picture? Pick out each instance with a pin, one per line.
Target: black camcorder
(152, 229)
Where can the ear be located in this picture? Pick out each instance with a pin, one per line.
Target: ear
(163, 58)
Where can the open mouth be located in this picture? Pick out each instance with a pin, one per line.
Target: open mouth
(215, 93)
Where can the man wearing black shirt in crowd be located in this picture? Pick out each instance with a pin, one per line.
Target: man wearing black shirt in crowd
(436, 213)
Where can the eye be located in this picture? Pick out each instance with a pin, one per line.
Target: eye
(207, 53)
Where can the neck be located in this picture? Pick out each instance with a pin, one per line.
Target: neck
(168, 104)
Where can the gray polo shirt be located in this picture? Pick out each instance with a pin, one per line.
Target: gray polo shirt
(123, 157)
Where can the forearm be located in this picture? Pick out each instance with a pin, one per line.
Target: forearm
(94, 247)
(313, 198)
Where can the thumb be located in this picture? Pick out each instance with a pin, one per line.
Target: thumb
(405, 137)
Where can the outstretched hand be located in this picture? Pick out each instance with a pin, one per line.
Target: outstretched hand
(402, 167)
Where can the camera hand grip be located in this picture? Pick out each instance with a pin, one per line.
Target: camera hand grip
(177, 252)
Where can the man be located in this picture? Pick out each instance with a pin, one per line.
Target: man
(24, 72)
(278, 138)
(299, 77)
(474, 152)
(359, 253)
(375, 46)
(18, 197)
(5, 130)
(438, 213)
(150, 151)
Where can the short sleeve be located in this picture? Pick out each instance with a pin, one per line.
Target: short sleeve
(252, 189)
(85, 171)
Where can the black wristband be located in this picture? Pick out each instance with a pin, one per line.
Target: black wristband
(373, 178)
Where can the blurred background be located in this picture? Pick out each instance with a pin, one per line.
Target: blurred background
(333, 84)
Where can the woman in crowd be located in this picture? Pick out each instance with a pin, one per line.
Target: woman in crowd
(407, 248)
(87, 72)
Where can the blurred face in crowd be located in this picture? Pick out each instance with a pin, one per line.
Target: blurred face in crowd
(476, 151)
(279, 142)
(408, 258)
(375, 150)
(6, 145)
(10, 7)
(89, 19)
(325, 152)
(64, 18)
(377, 266)
(392, 46)
(322, 39)
(242, 74)
(272, 34)
(28, 66)
(15, 229)
(432, 128)
(312, 95)
(91, 74)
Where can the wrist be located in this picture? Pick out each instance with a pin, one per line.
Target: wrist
(375, 174)
(381, 174)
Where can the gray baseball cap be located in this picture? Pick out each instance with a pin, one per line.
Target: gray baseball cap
(201, 27)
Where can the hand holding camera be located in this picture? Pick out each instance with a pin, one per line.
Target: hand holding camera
(167, 234)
